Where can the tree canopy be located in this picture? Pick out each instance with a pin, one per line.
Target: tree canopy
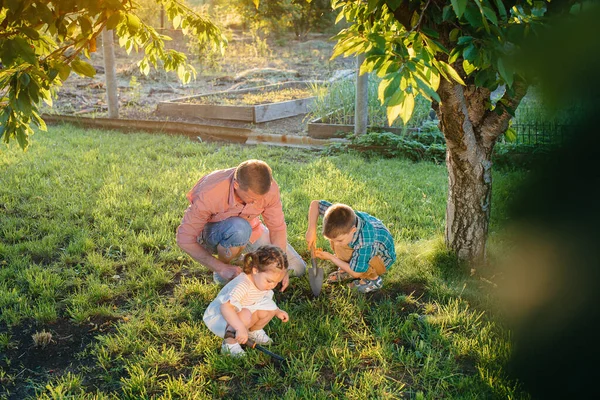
(43, 41)
(413, 44)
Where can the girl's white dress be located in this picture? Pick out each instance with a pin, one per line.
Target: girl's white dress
(241, 293)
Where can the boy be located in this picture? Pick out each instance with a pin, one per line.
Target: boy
(363, 247)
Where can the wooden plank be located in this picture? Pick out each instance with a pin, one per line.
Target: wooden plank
(284, 109)
(206, 132)
(234, 113)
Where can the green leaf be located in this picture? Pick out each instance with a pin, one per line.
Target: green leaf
(473, 16)
(176, 21)
(133, 23)
(507, 76)
(510, 135)
(449, 71)
(470, 53)
(447, 13)
(490, 15)
(83, 68)
(64, 70)
(459, 7)
(453, 36)
(403, 110)
(387, 87)
(24, 50)
(501, 9)
(468, 67)
(30, 32)
(465, 39)
(86, 25)
(113, 21)
(427, 89)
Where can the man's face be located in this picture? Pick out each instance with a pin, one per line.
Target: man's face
(247, 196)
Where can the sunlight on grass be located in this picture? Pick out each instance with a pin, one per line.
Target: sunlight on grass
(88, 240)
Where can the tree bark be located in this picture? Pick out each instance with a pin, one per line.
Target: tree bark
(471, 131)
(110, 74)
(361, 107)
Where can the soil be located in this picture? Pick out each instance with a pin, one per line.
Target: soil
(241, 67)
(64, 353)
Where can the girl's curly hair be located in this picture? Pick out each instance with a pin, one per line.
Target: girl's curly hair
(265, 257)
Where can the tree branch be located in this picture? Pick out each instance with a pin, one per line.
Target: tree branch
(494, 125)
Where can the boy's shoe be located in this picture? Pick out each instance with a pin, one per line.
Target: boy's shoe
(234, 350)
(259, 337)
(338, 276)
(369, 285)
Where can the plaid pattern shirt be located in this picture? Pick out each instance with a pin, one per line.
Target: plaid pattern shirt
(370, 239)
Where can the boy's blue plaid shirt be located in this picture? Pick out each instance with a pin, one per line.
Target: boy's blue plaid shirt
(370, 239)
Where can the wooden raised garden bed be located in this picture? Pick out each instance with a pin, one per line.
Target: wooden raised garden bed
(292, 98)
(321, 129)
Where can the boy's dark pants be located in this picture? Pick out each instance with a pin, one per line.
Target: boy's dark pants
(376, 265)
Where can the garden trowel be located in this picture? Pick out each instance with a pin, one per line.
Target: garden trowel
(315, 274)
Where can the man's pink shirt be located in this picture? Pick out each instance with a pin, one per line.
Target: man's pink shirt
(212, 200)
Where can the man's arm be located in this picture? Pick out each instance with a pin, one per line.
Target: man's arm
(192, 225)
(201, 255)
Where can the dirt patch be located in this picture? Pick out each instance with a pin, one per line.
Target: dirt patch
(260, 96)
(61, 354)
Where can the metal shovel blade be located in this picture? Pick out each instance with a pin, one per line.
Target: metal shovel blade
(315, 275)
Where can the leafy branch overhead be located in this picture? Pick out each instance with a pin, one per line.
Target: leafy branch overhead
(43, 41)
(413, 45)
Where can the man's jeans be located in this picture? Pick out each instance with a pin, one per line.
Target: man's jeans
(235, 232)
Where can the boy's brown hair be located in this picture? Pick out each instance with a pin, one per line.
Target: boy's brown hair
(255, 175)
(338, 220)
(264, 258)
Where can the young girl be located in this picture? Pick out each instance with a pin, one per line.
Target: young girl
(245, 305)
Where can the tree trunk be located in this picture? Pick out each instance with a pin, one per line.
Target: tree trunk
(110, 73)
(361, 107)
(471, 131)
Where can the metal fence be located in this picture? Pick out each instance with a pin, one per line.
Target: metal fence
(541, 133)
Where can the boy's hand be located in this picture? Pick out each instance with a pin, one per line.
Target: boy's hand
(323, 255)
(282, 315)
(241, 335)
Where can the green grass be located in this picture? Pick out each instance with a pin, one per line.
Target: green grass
(87, 246)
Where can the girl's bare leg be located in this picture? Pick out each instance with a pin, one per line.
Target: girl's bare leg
(262, 319)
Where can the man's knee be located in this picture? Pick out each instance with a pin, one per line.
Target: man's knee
(237, 233)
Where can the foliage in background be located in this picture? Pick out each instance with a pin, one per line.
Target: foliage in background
(299, 16)
(336, 101)
(87, 244)
(43, 41)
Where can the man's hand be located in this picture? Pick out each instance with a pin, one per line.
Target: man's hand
(229, 272)
(282, 315)
(285, 281)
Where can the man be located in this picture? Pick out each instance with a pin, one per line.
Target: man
(222, 219)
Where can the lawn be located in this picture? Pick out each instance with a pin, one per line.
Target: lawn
(99, 302)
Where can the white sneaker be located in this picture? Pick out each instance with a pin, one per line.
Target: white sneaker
(259, 337)
(234, 350)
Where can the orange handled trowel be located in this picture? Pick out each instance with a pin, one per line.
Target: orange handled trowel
(315, 274)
